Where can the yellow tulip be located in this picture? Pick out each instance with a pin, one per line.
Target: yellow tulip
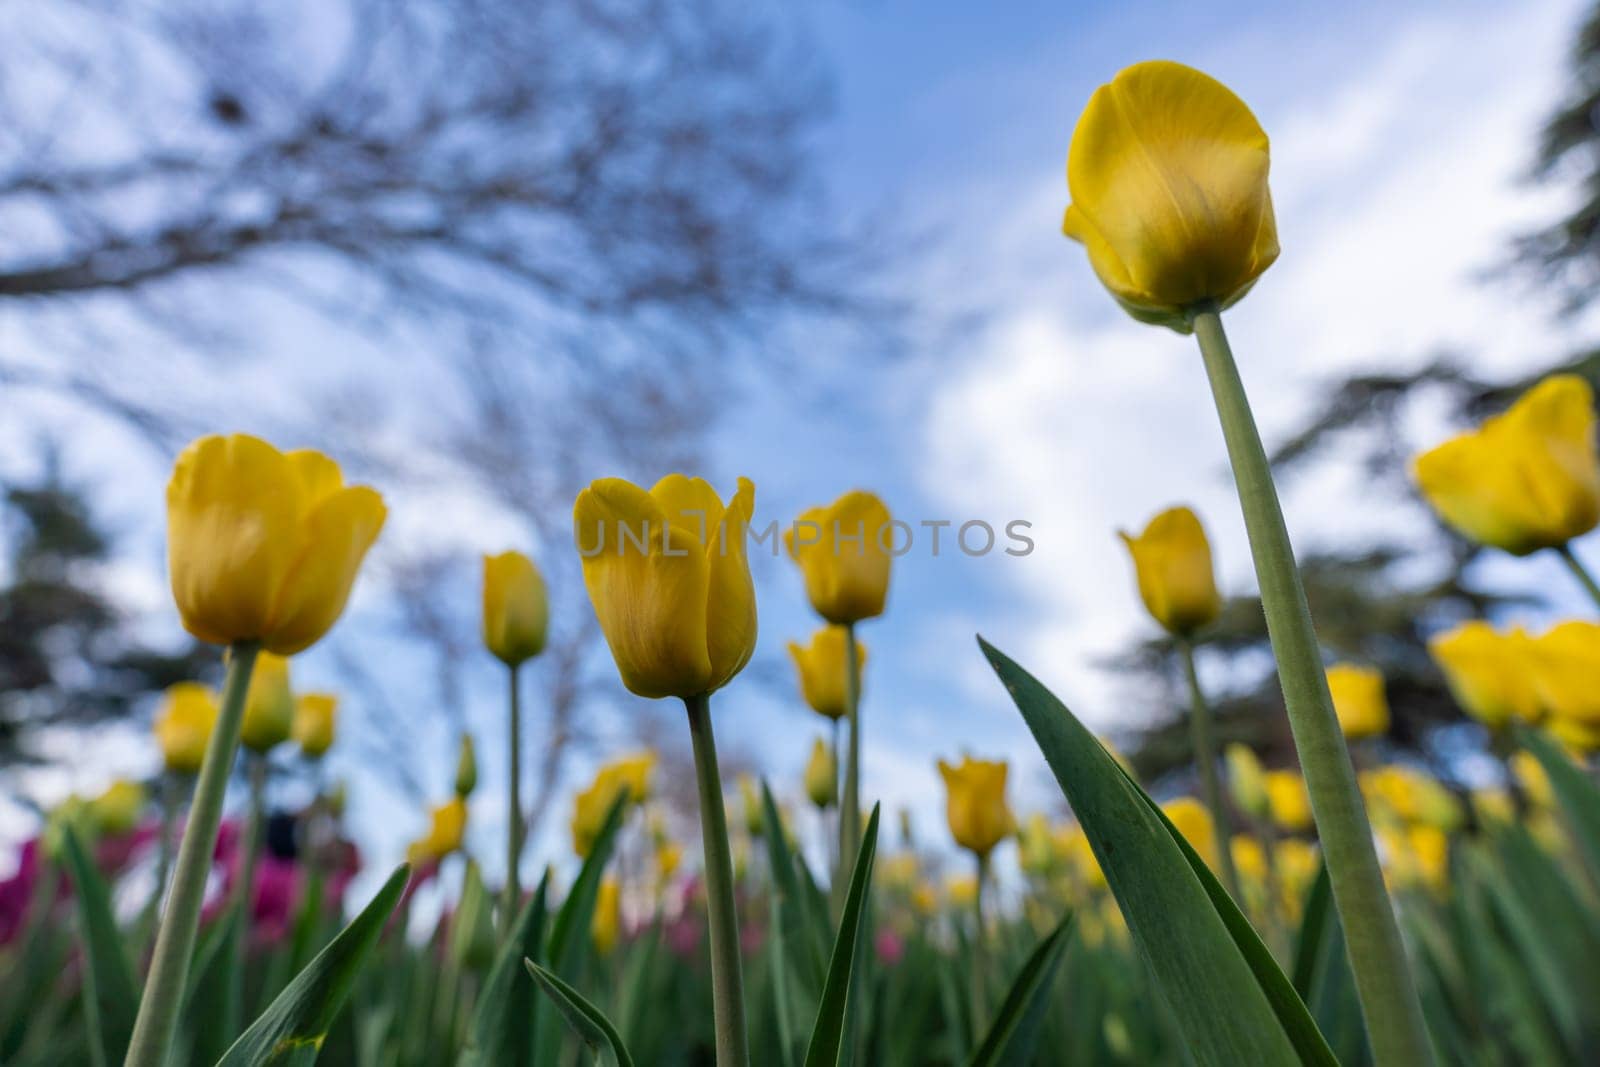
(1296, 863)
(1525, 480)
(466, 767)
(961, 890)
(667, 574)
(635, 771)
(1172, 561)
(516, 611)
(1358, 700)
(821, 666)
(1489, 673)
(1168, 176)
(1493, 807)
(1530, 775)
(1410, 796)
(844, 551)
(447, 826)
(264, 545)
(590, 806)
(1194, 823)
(183, 726)
(315, 718)
(1246, 780)
(1418, 857)
(116, 811)
(976, 806)
(269, 705)
(1566, 662)
(1249, 858)
(822, 775)
(1288, 801)
(925, 900)
(669, 854)
(755, 816)
(897, 873)
(606, 925)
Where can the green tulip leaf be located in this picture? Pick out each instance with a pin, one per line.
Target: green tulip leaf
(1015, 1030)
(110, 993)
(502, 1025)
(803, 941)
(577, 911)
(586, 1020)
(827, 1046)
(293, 1027)
(1575, 792)
(1226, 994)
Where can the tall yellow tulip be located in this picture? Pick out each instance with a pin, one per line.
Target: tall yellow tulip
(844, 551)
(976, 804)
(269, 707)
(670, 581)
(183, 726)
(264, 545)
(1172, 561)
(1525, 480)
(821, 667)
(1566, 662)
(516, 609)
(1168, 177)
(316, 717)
(1358, 700)
(1491, 674)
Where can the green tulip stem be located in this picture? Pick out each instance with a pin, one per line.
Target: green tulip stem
(256, 831)
(833, 843)
(850, 806)
(513, 887)
(1579, 571)
(169, 966)
(727, 984)
(980, 949)
(1388, 998)
(1205, 757)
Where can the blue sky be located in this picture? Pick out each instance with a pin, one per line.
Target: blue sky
(1399, 132)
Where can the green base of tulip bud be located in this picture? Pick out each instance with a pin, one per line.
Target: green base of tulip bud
(1580, 572)
(1205, 758)
(1389, 1001)
(169, 966)
(727, 980)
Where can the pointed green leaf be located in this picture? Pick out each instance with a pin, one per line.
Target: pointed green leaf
(1575, 792)
(1213, 990)
(294, 1025)
(577, 911)
(111, 995)
(211, 1003)
(802, 940)
(586, 1020)
(827, 1045)
(1313, 939)
(501, 1033)
(1015, 1029)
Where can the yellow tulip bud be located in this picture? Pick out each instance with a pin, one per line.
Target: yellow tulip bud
(844, 551)
(669, 854)
(116, 811)
(446, 830)
(1172, 561)
(516, 611)
(821, 666)
(1194, 823)
(1246, 780)
(466, 767)
(1525, 480)
(1566, 662)
(269, 705)
(670, 582)
(1168, 176)
(1490, 674)
(606, 925)
(315, 719)
(264, 545)
(1530, 775)
(1288, 802)
(822, 776)
(976, 805)
(1358, 700)
(183, 726)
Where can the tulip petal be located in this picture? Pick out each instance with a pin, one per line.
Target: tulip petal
(233, 518)
(335, 539)
(689, 503)
(731, 603)
(651, 603)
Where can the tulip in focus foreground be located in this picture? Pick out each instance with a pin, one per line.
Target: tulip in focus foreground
(516, 609)
(264, 545)
(1525, 480)
(1168, 177)
(1358, 700)
(1172, 561)
(183, 726)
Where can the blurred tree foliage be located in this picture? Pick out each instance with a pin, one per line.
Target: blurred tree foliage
(1378, 603)
(67, 655)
